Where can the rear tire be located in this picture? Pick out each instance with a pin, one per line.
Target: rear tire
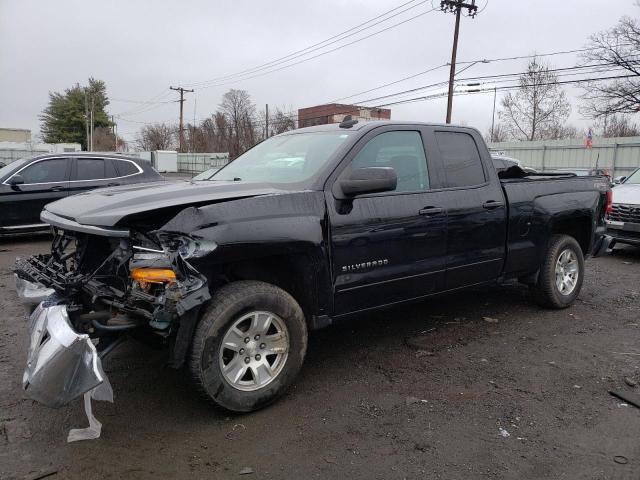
(561, 274)
(248, 346)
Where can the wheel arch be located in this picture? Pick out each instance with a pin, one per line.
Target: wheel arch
(578, 227)
(303, 275)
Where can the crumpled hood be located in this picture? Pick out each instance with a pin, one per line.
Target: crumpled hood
(629, 194)
(107, 206)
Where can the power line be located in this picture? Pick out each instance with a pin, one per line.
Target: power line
(330, 110)
(484, 77)
(534, 55)
(315, 56)
(125, 100)
(146, 104)
(424, 72)
(506, 87)
(316, 46)
(469, 63)
(496, 79)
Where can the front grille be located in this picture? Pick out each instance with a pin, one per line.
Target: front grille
(621, 212)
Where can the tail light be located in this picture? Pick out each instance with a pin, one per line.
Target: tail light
(609, 208)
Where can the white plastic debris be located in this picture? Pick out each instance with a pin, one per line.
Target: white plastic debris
(504, 433)
(102, 392)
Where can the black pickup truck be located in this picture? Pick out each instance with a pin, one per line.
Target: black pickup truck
(306, 228)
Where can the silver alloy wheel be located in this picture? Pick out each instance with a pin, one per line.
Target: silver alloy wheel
(567, 271)
(254, 350)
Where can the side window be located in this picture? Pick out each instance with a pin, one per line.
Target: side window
(126, 168)
(89, 169)
(403, 151)
(461, 159)
(46, 171)
(110, 170)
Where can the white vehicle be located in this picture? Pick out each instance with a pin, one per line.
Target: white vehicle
(623, 221)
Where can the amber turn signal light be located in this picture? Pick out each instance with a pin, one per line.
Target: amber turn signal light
(153, 275)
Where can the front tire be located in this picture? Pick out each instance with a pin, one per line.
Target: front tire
(249, 345)
(561, 273)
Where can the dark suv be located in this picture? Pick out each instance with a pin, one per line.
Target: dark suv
(27, 185)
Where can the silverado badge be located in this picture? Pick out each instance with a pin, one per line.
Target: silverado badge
(363, 265)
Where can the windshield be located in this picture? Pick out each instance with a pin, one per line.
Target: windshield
(290, 158)
(633, 179)
(207, 174)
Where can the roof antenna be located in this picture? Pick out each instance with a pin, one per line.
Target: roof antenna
(348, 122)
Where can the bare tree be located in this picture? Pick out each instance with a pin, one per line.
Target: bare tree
(539, 106)
(223, 132)
(618, 47)
(281, 122)
(240, 112)
(618, 126)
(158, 136)
(561, 132)
(499, 134)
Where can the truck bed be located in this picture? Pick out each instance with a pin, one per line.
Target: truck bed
(538, 205)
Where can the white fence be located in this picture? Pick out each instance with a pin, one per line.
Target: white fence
(620, 155)
(199, 162)
(12, 151)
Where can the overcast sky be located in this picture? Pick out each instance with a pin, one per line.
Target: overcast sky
(141, 47)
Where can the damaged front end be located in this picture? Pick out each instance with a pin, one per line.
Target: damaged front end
(99, 288)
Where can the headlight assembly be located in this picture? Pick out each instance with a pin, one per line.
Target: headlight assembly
(186, 246)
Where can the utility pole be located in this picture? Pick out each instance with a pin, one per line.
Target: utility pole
(86, 116)
(493, 117)
(266, 121)
(182, 92)
(91, 128)
(455, 7)
(114, 131)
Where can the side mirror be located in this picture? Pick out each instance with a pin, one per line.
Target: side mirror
(16, 180)
(369, 180)
(620, 179)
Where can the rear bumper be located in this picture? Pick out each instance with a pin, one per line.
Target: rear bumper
(62, 365)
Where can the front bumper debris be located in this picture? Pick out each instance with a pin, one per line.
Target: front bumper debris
(62, 364)
(30, 293)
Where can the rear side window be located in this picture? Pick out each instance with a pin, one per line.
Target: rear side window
(461, 159)
(125, 168)
(45, 171)
(403, 151)
(90, 169)
(110, 170)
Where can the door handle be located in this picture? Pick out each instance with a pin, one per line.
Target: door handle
(57, 188)
(491, 204)
(431, 211)
(112, 184)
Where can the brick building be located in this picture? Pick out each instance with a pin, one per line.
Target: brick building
(335, 113)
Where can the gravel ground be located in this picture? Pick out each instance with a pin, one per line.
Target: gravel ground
(368, 403)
